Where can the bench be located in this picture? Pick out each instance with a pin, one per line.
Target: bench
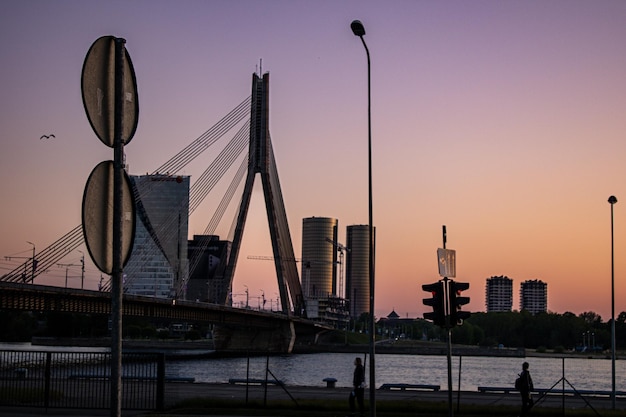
(404, 387)
(254, 381)
(508, 390)
(505, 390)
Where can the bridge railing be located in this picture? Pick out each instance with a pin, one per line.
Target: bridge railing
(79, 379)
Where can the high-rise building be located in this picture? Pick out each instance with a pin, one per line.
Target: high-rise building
(534, 296)
(357, 269)
(208, 256)
(499, 294)
(158, 263)
(319, 256)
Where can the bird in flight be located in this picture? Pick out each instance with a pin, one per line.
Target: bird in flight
(51, 135)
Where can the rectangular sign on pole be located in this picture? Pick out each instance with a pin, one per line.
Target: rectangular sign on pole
(446, 259)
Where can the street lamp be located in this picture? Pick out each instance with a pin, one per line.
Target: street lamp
(82, 270)
(612, 201)
(359, 30)
(32, 281)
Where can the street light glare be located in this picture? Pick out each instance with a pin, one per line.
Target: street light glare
(357, 28)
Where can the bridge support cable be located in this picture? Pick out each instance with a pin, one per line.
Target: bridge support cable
(198, 192)
(214, 173)
(218, 215)
(244, 204)
(69, 242)
(226, 200)
(210, 172)
(48, 257)
(191, 151)
(283, 238)
(209, 230)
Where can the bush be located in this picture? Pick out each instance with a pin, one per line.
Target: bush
(192, 334)
(133, 331)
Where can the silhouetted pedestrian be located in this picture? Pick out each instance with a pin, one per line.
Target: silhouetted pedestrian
(525, 388)
(358, 388)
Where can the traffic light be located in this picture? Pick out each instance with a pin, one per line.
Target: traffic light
(438, 315)
(456, 301)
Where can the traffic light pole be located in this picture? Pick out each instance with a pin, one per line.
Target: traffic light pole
(448, 308)
(450, 372)
(446, 302)
(118, 256)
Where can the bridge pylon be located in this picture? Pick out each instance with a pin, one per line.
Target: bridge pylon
(261, 161)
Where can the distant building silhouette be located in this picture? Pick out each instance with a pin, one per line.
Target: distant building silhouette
(396, 327)
(534, 296)
(207, 260)
(357, 269)
(499, 294)
(318, 272)
(158, 264)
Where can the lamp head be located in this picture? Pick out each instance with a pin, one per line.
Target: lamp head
(357, 28)
(612, 200)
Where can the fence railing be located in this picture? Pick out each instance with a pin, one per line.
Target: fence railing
(80, 379)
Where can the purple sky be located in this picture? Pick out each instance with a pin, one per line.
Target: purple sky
(503, 120)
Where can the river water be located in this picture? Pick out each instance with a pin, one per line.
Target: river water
(311, 369)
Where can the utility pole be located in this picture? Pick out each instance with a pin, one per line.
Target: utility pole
(34, 266)
(67, 267)
(82, 270)
(446, 302)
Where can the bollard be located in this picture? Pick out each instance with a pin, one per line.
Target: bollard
(330, 382)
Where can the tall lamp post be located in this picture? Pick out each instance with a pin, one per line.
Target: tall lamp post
(359, 30)
(34, 266)
(612, 201)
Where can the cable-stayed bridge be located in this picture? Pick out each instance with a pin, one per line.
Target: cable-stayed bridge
(250, 122)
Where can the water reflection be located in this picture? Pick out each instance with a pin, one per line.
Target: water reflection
(311, 369)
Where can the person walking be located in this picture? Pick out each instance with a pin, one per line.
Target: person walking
(358, 388)
(525, 389)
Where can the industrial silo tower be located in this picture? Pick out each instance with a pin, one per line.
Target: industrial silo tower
(357, 269)
(319, 256)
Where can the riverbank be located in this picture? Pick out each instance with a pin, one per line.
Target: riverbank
(149, 344)
(411, 348)
(205, 347)
(200, 399)
(425, 348)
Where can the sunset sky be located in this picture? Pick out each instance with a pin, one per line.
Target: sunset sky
(503, 120)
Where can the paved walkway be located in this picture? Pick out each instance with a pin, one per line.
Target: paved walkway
(175, 392)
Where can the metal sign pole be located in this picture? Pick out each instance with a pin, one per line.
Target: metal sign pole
(116, 279)
(109, 91)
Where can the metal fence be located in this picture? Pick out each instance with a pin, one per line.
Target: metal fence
(80, 380)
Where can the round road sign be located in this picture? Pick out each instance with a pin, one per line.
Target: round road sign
(97, 216)
(98, 91)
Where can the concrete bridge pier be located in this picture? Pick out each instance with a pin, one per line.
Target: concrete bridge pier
(236, 339)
